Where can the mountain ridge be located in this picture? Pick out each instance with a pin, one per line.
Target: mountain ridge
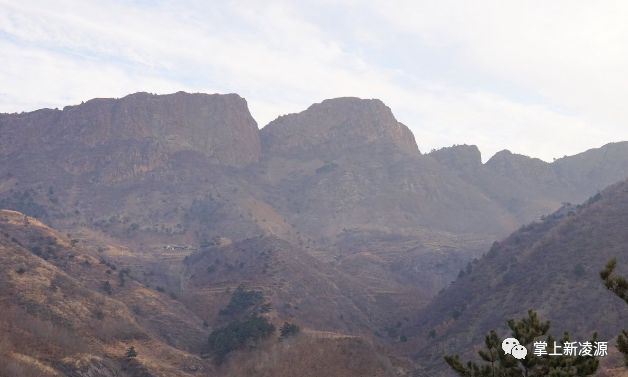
(337, 196)
(335, 125)
(218, 126)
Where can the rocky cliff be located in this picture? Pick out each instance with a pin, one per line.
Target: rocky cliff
(217, 126)
(336, 127)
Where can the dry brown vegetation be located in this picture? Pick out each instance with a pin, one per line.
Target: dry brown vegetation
(61, 323)
(551, 266)
(166, 204)
(57, 320)
(312, 354)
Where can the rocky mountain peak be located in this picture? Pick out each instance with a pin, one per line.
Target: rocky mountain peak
(218, 126)
(459, 157)
(335, 125)
(507, 163)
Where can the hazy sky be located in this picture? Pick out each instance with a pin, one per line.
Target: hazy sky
(543, 78)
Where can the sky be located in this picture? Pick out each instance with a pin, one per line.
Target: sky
(541, 78)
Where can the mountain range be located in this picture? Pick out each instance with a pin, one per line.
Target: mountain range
(332, 213)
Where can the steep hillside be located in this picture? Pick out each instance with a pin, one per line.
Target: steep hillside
(551, 266)
(315, 354)
(68, 311)
(299, 287)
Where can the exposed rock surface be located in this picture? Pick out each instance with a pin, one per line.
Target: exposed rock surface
(336, 127)
(139, 128)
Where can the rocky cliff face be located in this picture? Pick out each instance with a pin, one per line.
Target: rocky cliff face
(459, 157)
(335, 127)
(217, 126)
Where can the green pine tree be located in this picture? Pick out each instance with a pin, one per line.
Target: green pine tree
(496, 363)
(619, 286)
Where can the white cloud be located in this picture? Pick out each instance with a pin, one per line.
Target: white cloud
(545, 80)
(572, 56)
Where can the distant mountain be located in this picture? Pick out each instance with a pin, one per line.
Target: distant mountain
(339, 193)
(551, 266)
(344, 165)
(526, 186)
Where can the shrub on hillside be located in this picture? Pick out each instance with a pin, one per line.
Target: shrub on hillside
(241, 301)
(106, 286)
(289, 329)
(131, 352)
(237, 335)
